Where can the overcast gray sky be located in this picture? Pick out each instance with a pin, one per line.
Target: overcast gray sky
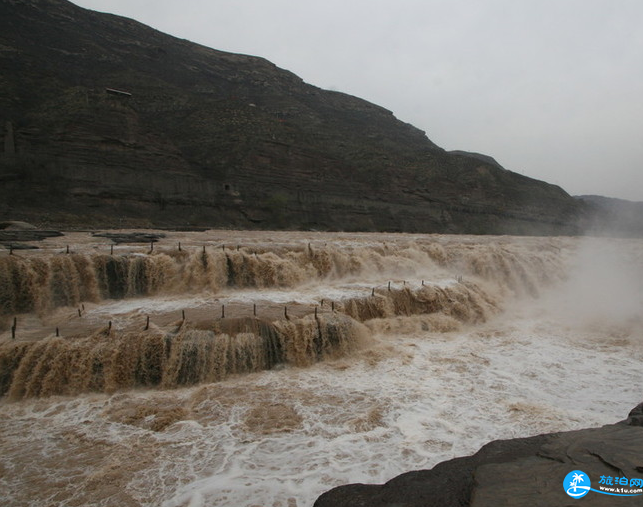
(552, 89)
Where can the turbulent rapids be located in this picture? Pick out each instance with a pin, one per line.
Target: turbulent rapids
(42, 283)
(109, 361)
(185, 353)
(254, 368)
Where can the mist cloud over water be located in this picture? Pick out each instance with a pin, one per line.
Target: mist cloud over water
(604, 286)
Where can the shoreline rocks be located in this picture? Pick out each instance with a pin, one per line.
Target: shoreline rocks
(14, 234)
(517, 472)
(130, 237)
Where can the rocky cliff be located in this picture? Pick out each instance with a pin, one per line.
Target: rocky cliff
(522, 472)
(107, 122)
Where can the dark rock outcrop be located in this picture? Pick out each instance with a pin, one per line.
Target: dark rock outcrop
(14, 225)
(130, 237)
(108, 122)
(13, 234)
(519, 472)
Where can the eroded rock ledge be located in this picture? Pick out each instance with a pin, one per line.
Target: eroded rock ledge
(518, 472)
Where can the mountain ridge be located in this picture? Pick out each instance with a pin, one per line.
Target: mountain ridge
(209, 138)
(613, 216)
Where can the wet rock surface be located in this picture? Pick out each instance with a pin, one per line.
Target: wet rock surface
(130, 237)
(14, 235)
(518, 472)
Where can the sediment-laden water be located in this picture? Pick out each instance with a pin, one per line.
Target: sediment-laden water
(260, 369)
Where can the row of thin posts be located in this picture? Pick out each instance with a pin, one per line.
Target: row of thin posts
(147, 318)
(458, 278)
(254, 310)
(332, 304)
(111, 248)
(81, 310)
(11, 248)
(14, 327)
(66, 249)
(179, 246)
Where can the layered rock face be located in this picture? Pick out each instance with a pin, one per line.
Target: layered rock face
(107, 122)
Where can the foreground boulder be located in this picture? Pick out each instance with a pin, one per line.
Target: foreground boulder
(519, 472)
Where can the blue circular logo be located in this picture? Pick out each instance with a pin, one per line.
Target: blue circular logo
(577, 484)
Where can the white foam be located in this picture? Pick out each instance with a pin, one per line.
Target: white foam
(407, 403)
(307, 295)
(438, 396)
(160, 304)
(454, 396)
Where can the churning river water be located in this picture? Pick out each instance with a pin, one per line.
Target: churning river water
(275, 366)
